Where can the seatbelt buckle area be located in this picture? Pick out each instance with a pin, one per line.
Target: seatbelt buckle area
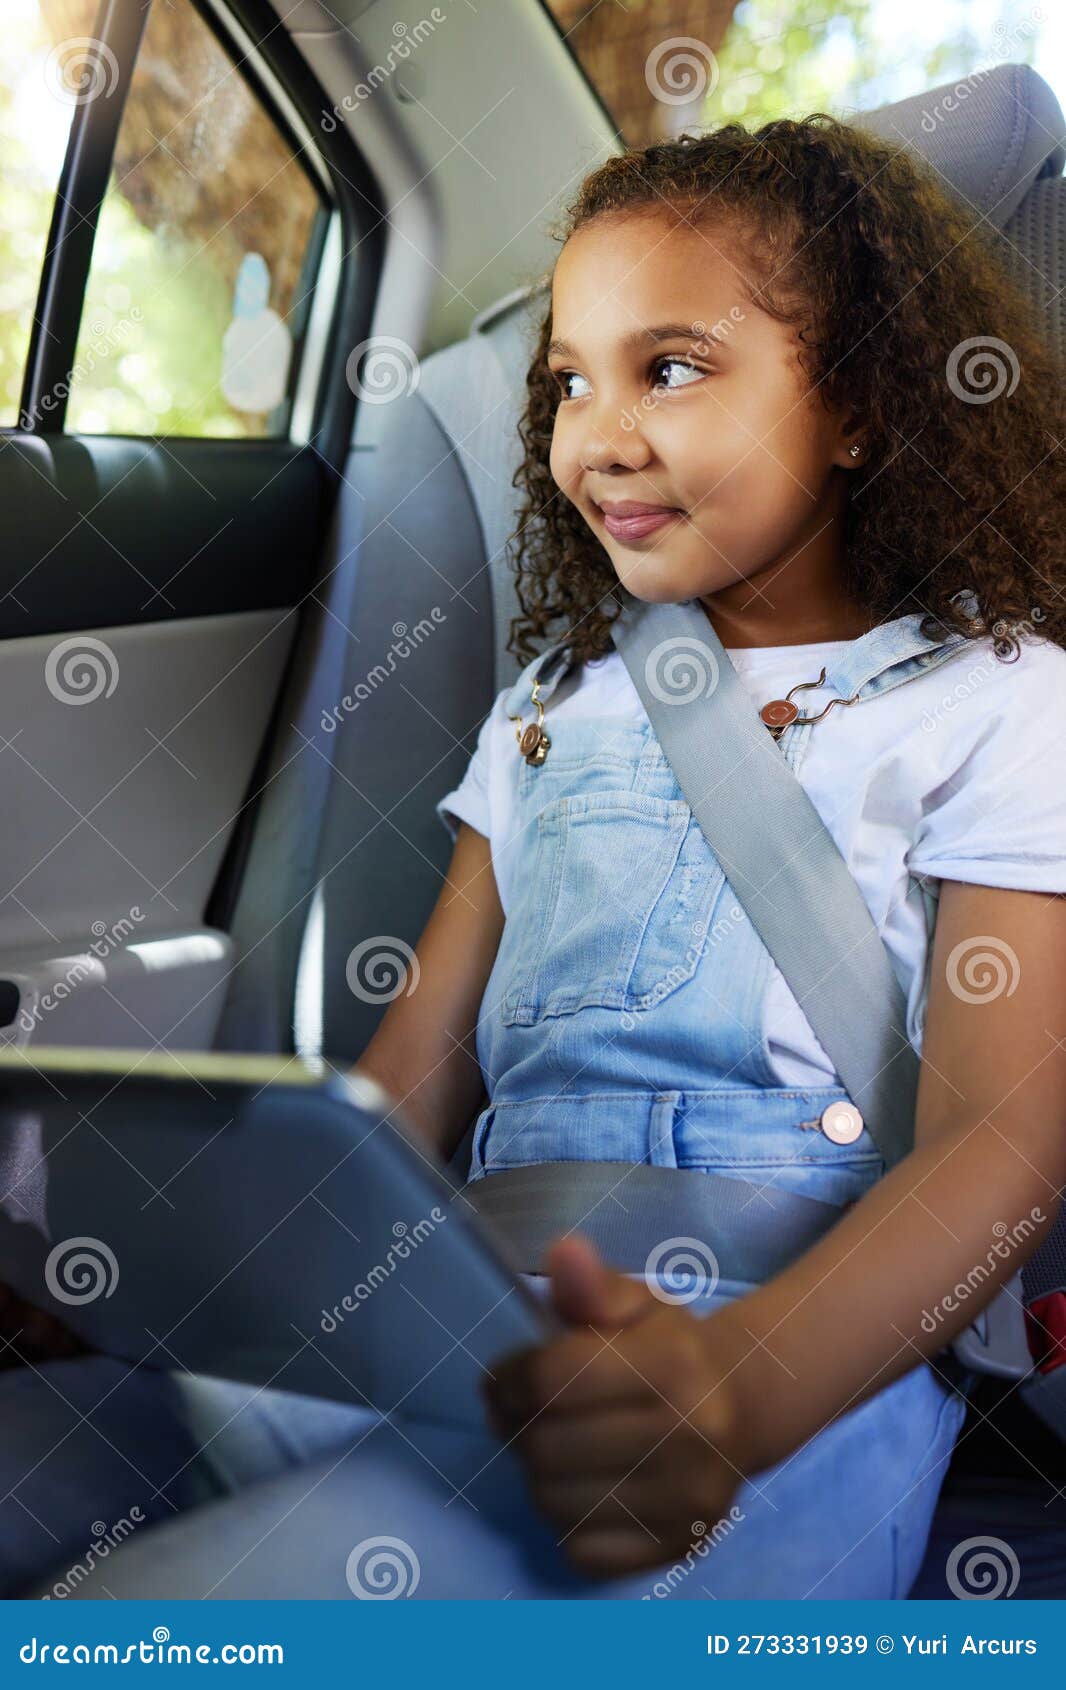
(996, 1342)
(1045, 1326)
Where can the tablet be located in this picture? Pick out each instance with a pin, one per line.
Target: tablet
(254, 1218)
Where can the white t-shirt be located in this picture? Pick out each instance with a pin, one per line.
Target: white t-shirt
(958, 774)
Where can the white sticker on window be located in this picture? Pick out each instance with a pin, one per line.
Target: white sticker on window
(257, 346)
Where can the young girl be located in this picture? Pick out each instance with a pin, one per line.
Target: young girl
(781, 375)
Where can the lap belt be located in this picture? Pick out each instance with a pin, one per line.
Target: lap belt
(642, 1218)
(663, 1221)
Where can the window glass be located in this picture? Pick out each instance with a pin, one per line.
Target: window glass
(662, 66)
(48, 64)
(199, 289)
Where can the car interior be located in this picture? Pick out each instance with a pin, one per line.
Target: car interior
(213, 797)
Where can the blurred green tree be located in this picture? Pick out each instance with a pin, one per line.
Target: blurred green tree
(785, 58)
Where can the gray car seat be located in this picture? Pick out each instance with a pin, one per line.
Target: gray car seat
(408, 654)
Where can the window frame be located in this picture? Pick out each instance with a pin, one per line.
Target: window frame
(575, 59)
(72, 231)
(321, 407)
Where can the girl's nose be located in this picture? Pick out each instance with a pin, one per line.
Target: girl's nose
(615, 439)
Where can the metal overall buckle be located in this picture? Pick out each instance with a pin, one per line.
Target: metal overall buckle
(533, 742)
(780, 713)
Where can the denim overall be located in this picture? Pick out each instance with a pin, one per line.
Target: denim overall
(622, 1021)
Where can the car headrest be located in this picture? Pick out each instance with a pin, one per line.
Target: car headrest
(990, 136)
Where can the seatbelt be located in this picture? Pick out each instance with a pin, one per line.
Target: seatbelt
(807, 908)
(632, 1214)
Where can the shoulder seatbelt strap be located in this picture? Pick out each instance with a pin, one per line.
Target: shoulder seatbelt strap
(780, 858)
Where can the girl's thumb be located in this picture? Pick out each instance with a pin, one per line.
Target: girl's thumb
(585, 1292)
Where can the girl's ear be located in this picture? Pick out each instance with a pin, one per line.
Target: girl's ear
(851, 444)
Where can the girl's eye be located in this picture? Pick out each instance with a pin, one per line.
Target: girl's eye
(562, 377)
(677, 364)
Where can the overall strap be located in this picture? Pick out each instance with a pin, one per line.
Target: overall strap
(780, 858)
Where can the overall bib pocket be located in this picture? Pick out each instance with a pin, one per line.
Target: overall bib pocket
(614, 910)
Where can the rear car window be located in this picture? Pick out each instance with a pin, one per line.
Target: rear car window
(205, 254)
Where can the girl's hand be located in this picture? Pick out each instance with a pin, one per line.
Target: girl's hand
(628, 1428)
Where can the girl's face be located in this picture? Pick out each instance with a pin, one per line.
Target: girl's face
(678, 393)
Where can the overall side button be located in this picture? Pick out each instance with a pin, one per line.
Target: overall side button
(841, 1122)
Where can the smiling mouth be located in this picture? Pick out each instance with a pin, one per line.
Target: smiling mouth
(640, 524)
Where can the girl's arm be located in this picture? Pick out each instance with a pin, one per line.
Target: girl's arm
(423, 1050)
(875, 1295)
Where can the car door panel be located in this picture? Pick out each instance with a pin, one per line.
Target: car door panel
(127, 755)
(102, 530)
(163, 513)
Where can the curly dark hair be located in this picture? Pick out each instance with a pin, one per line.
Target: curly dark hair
(886, 277)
